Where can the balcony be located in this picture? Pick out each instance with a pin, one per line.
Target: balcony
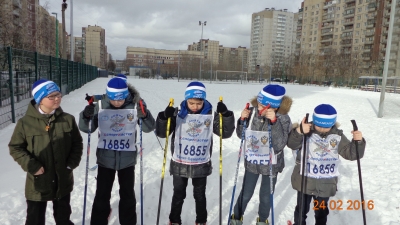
(16, 12)
(350, 7)
(385, 23)
(326, 19)
(346, 44)
(348, 22)
(386, 15)
(300, 18)
(327, 33)
(369, 33)
(383, 49)
(328, 26)
(369, 42)
(371, 9)
(17, 3)
(365, 66)
(397, 21)
(385, 32)
(383, 40)
(326, 40)
(366, 58)
(348, 1)
(388, 5)
(347, 37)
(348, 15)
(366, 50)
(370, 25)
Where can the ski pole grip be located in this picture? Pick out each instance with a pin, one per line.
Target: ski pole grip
(355, 128)
(171, 102)
(90, 101)
(247, 107)
(142, 107)
(307, 118)
(220, 98)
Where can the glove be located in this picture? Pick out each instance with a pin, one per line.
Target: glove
(140, 111)
(89, 98)
(221, 108)
(88, 111)
(170, 111)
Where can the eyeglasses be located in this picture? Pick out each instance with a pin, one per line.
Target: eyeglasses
(52, 97)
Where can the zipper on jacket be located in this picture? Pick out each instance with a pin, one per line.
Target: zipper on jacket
(48, 125)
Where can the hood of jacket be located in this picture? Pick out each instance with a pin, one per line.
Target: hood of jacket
(283, 109)
(33, 111)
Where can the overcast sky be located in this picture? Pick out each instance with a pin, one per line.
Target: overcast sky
(167, 24)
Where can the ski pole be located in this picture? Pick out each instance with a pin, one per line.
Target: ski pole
(87, 166)
(237, 165)
(303, 177)
(171, 103)
(271, 176)
(355, 128)
(141, 162)
(220, 165)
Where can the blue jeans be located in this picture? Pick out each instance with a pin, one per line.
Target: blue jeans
(249, 184)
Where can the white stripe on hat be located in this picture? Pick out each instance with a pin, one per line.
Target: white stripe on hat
(324, 116)
(196, 88)
(116, 89)
(268, 95)
(37, 88)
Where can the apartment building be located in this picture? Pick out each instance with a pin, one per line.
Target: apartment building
(354, 29)
(161, 60)
(95, 48)
(18, 21)
(273, 37)
(226, 58)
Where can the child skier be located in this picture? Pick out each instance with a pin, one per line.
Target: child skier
(116, 116)
(325, 142)
(191, 150)
(270, 106)
(47, 144)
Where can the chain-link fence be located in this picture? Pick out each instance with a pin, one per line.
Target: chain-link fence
(20, 69)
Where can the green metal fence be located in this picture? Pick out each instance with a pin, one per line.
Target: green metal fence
(23, 68)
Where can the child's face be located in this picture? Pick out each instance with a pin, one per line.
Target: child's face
(195, 104)
(52, 101)
(261, 107)
(322, 129)
(117, 103)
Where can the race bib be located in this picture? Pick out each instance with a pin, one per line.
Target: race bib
(323, 157)
(257, 148)
(117, 129)
(193, 139)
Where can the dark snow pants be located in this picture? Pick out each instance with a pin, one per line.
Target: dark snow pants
(321, 215)
(199, 194)
(36, 212)
(127, 203)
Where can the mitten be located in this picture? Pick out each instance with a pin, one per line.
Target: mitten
(170, 112)
(221, 108)
(88, 111)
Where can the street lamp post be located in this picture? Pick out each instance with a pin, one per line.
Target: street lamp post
(56, 34)
(63, 8)
(201, 44)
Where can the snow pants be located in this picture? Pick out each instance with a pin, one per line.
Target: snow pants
(36, 212)
(321, 215)
(199, 194)
(127, 202)
(249, 184)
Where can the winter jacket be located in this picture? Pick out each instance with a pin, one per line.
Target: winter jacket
(279, 130)
(111, 159)
(55, 150)
(201, 170)
(324, 187)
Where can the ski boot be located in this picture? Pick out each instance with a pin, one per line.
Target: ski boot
(201, 224)
(261, 223)
(235, 221)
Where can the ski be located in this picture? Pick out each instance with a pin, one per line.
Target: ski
(94, 167)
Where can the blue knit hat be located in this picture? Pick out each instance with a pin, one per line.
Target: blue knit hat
(117, 89)
(324, 116)
(121, 76)
(195, 89)
(271, 94)
(42, 88)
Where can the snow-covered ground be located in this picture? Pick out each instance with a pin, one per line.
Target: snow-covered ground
(380, 165)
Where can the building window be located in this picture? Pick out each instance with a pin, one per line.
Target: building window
(358, 25)
(337, 15)
(315, 38)
(360, 9)
(336, 36)
(359, 17)
(355, 48)
(357, 33)
(315, 32)
(360, 1)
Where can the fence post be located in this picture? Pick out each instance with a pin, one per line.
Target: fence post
(60, 70)
(36, 66)
(10, 75)
(51, 69)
